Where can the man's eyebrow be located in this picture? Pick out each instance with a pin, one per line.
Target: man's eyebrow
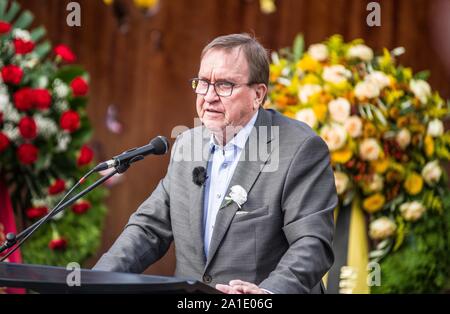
(224, 79)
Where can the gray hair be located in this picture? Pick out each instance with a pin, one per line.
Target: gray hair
(256, 55)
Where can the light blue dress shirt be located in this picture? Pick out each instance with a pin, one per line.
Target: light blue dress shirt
(221, 166)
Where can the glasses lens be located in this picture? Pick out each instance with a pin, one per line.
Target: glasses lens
(224, 89)
(200, 86)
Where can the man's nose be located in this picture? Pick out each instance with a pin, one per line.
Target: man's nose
(211, 96)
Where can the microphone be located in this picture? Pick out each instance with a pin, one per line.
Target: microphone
(157, 146)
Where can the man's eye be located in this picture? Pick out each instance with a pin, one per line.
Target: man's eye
(225, 84)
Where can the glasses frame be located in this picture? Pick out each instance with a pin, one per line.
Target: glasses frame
(233, 85)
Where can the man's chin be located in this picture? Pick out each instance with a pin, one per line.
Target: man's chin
(214, 126)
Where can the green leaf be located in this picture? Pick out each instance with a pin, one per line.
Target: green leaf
(3, 4)
(422, 75)
(38, 33)
(68, 73)
(24, 20)
(42, 50)
(299, 44)
(13, 10)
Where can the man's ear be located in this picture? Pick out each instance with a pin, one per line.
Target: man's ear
(261, 91)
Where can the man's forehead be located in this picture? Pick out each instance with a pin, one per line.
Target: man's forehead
(229, 61)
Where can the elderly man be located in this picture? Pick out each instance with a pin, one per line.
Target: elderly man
(254, 214)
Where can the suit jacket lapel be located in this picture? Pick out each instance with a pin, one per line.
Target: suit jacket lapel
(245, 175)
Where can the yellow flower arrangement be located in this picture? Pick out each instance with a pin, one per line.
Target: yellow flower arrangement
(382, 124)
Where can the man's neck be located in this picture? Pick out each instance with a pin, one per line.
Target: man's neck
(226, 135)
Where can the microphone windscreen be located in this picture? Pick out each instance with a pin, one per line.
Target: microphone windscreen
(160, 145)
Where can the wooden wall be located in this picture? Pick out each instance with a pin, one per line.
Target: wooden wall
(144, 71)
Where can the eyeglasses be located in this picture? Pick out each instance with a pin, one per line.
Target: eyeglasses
(222, 88)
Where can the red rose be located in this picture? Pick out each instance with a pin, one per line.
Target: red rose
(79, 86)
(70, 121)
(58, 244)
(27, 153)
(57, 187)
(23, 99)
(36, 212)
(42, 98)
(5, 27)
(4, 142)
(81, 207)
(65, 53)
(23, 47)
(12, 74)
(85, 155)
(28, 128)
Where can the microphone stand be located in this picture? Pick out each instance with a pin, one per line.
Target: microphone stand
(12, 239)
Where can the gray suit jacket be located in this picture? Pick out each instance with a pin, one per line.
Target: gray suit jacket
(281, 237)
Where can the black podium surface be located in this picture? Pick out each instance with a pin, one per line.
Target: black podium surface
(51, 279)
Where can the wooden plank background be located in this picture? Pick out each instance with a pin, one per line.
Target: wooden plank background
(144, 71)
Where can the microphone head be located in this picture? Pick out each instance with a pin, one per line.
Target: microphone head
(160, 145)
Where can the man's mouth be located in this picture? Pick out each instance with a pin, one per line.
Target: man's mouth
(212, 111)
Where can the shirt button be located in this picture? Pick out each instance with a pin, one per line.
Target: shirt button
(207, 279)
(225, 165)
(219, 195)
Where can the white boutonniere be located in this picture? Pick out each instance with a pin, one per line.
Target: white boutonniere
(237, 195)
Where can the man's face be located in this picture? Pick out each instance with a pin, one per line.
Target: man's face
(217, 112)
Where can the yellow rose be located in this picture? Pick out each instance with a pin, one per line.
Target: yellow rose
(308, 64)
(413, 183)
(310, 79)
(369, 130)
(341, 156)
(146, 3)
(380, 165)
(374, 203)
(429, 146)
(321, 111)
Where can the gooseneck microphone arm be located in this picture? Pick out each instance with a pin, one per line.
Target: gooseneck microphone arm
(158, 146)
(12, 239)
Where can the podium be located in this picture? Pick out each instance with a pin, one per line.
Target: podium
(52, 279)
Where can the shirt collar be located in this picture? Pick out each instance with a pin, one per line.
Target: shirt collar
(239, 138)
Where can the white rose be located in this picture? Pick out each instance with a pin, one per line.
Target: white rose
(21, 34)
(376, 183)
(382, 228)
(11, 131)
(336, 74)
(353, 125)
(432, 172)
(341, 181)
(43, 81)
(238, 195)
(369, 149)
(366, 89)
(339, 109)
(378, 78)
(412, 211)
(10, 112)
(4, 100)
(308, 116)
(46, 126)
(307, 90)
(63, 141)
(334, 135)
(360, 51)
(403, 138)
(318, 52)
(435, 128)
(421, 90)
